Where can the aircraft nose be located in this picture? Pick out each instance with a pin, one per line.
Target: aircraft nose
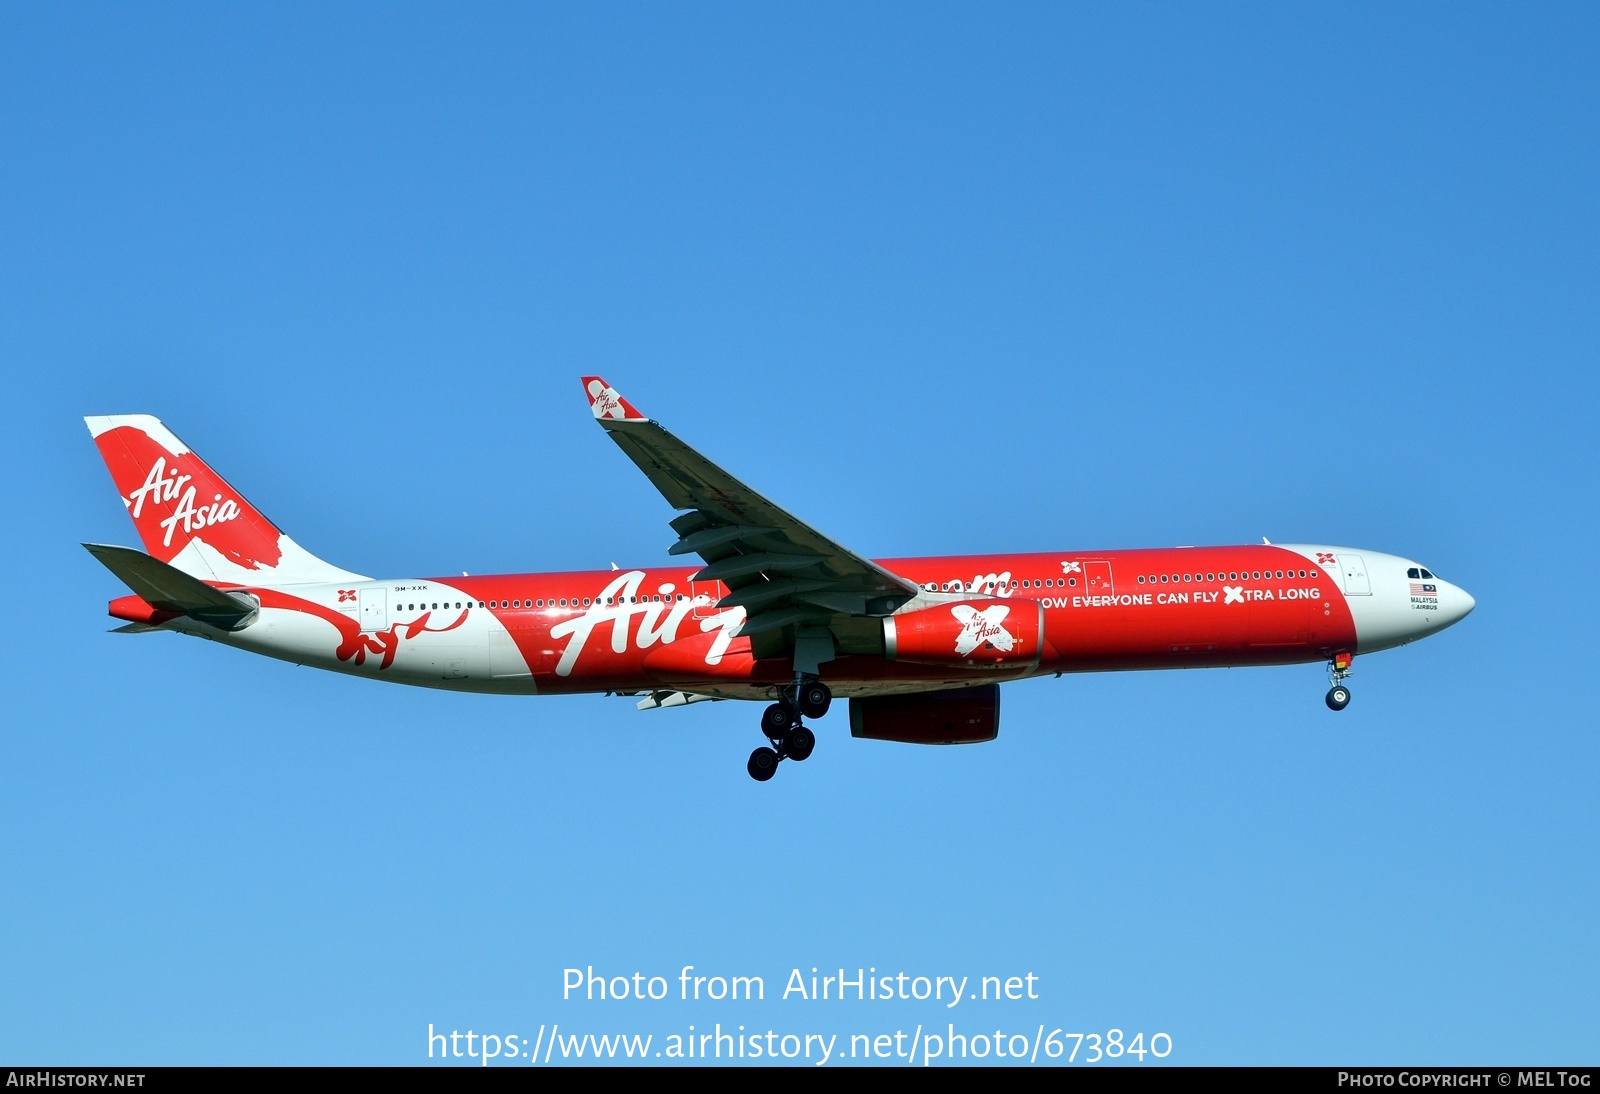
(1458, 605)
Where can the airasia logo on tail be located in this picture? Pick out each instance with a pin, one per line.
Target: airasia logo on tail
(607, 401)
(169, 487)
(981, 625)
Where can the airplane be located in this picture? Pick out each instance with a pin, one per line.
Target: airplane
(776, 611)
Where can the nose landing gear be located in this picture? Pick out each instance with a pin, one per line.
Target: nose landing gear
(781, 722)
(1338, 696)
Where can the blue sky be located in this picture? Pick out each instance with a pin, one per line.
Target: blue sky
(940, 280)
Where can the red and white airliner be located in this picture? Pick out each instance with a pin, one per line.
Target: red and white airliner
(778, 612)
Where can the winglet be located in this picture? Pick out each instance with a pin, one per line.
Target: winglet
(607, 402)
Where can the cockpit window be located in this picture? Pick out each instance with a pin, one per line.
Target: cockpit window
(1425, 573)
(1413, 572)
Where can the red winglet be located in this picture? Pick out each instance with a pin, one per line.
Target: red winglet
(607, 402)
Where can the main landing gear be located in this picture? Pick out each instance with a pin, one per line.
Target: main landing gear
(1338, 696)
(790, 739)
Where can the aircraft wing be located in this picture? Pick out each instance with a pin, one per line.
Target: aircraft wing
(783, 572)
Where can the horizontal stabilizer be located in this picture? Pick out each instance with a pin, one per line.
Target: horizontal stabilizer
(169, 589)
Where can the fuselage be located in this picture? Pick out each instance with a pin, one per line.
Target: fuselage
(656, 629)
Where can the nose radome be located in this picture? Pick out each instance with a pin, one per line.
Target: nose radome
(1459, 604)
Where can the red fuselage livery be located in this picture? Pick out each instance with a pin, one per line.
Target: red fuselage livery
(774, 612)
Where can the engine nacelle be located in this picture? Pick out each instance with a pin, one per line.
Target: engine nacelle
(973, 634)
(963, 717)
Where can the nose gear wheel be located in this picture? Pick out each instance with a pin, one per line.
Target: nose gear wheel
(1338, 696)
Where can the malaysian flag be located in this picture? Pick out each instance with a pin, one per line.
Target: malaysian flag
(1419, 589)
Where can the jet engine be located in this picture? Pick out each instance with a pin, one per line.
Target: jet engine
(962, 717)
(974, 634)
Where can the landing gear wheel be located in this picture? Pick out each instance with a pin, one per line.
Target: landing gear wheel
(776, 720)
(815, 698)
(798, 745)
(763, 764)
(1338, 697)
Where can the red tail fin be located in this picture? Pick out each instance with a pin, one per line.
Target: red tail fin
(188, 516)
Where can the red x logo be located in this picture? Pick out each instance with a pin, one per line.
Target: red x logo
(1324, 556)
(346, 594)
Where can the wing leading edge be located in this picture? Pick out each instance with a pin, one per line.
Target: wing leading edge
(784, 573)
